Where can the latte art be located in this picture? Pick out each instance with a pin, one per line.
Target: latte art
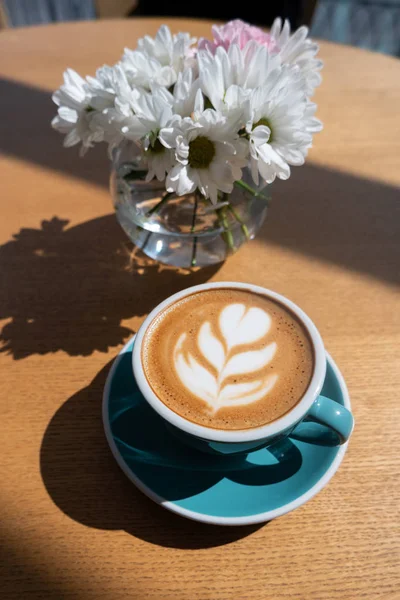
(227, 358)
(238, 326)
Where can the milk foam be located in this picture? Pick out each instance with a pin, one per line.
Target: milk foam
(228, 358)
(238, 326)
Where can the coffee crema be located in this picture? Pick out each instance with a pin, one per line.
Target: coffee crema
(228, 358)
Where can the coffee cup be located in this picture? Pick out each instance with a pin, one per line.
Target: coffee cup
(232, 367)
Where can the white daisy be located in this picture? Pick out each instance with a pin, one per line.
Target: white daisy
(312, 124)
(75, 113)
(150, 112)
(157, 60)
(199, 115)
(110, 95)
(141, 70)
(299, 50)
(279, 127)
(169, 50)
(226, 75)
(209, 154)
(109, 121)
(108, 83)
(184, 94)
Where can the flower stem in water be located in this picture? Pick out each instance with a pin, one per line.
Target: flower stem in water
(245, 186)
(194, 249)
(227, 233)
(163, 200)
(146, 240)
(238, 218)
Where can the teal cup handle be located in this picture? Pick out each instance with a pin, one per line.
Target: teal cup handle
(337, 420)
(331, 414)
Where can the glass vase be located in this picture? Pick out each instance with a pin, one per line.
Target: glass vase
(183, 231)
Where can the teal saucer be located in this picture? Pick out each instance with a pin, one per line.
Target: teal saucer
(226, 490)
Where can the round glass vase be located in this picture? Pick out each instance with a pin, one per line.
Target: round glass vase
(183, 231)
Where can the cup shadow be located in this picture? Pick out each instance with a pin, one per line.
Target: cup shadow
(69, 288)
(289, 461)
(84, 481)
(162, 460)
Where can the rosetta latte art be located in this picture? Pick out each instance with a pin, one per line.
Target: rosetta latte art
(238, 326)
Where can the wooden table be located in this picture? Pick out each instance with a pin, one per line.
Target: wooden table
(72, 526)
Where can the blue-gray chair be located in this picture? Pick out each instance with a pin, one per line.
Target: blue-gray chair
(372, 24)
(18, 13)
(33, 12)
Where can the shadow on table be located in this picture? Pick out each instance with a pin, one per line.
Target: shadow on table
(310, 212)
(33, 140)
(317, 208)
(84, 481)
(69, 288)
(29, 570)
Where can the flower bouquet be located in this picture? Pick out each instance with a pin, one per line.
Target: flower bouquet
(196, 130)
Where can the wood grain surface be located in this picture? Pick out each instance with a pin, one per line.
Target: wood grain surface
(72, 526)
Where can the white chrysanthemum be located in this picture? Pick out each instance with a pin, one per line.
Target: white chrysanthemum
(311, 123)
(169, 50)
(184, 94)
(109, 90)
(157, 60)
(299, 50)
(227, 74)
(150, 112)
(156, 96)
(74, 116)
(87, 110)
(141, 70)
(108, 83)
(280, 127)
(182, 98)
(209, 153)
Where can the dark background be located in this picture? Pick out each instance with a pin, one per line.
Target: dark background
(260, 13)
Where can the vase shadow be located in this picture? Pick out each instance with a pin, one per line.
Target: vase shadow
(70, 288)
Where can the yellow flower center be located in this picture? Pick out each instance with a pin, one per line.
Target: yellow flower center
(201, 152)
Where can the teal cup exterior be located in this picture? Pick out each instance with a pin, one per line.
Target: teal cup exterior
(312, 407)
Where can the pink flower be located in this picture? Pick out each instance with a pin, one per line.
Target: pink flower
(237, 32)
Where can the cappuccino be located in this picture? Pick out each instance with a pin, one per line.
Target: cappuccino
(228, 358)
